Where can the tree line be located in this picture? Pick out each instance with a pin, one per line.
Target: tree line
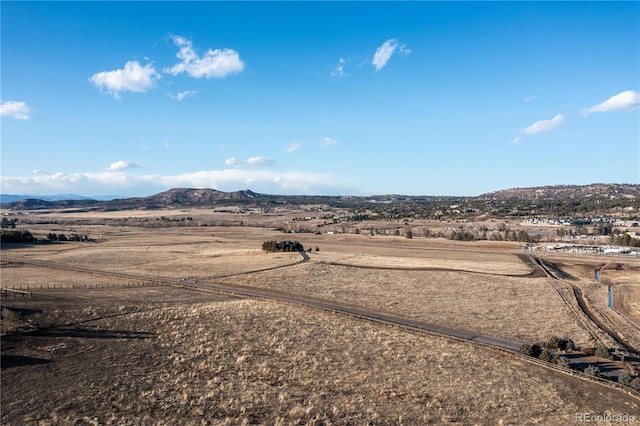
(282, 246)
(16, 236)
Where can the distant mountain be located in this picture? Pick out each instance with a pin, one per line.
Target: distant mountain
(211, 198)
(38, 204)
(173, 198)
(8, 198)
(596, 190)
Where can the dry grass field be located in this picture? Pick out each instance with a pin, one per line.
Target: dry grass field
(621, 273)
(260, 362)
(125, 354)
(514, 308)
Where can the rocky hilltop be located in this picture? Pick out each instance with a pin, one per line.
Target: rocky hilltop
(596, 190)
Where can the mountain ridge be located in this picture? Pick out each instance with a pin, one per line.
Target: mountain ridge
(207, 197)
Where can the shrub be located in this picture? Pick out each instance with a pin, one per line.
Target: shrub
(568, 344)
(545, 355)
(563, 361)
(625, 379)
(531, 350)
(592, 370)
(525, 349)
(11, 315)
(554, 342)
(602, 352)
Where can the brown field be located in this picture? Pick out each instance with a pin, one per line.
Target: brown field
(622, 274)
(249, 361)
(130, 353)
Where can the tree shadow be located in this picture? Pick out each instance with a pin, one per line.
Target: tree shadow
(91, 333)
(24, 312)
(10, 361)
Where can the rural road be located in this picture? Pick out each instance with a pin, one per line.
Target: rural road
(584, 308)
(323, 304)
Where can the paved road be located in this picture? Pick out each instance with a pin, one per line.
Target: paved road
(327, 305)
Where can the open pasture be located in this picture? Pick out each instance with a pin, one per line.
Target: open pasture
(481, 287)
(514, 308)
(259, 362)
(122, 354)
(621, 273)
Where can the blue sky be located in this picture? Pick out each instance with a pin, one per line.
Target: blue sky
(418, 98)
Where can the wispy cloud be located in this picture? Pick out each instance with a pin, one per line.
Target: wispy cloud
(132, 78)
(515, 141)
(339, 69)
(121, 166)
(544, 125)
(329, 142)
(217, 63)
(384, 53)
(530, 98)
(249, 162)
(108, 182)
(15, 109)
(292, 147)
(181, 95)
(622, 101)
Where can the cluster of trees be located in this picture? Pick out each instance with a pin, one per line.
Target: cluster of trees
(545, 352)
(279, 246)
(168, 219)
(503, 234)
(623, 239)
(24, 236)
(8, 223)
(627, 379)
(17, 236)
(62, 237)
(624, 378)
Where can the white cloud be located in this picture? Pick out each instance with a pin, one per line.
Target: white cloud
(544, 125)
(181, 95)
(15, 109)
(109, 183)
(329, 142)
(622, 101)
(292, 147)
(384, 53)
(339, 69)
(121, 166)
(530, 98)
(132, 78)
(216, 63)
(249, 162)
(259, 161)
(515, 141)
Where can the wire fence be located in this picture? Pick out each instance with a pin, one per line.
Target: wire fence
(27, 289)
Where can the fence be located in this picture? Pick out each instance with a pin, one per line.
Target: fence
(24, 290)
